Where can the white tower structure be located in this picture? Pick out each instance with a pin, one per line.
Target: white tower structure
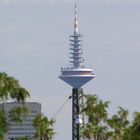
(76, 75)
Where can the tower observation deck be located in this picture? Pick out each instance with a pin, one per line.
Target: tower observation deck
(77, 75)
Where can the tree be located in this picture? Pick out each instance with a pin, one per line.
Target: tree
(24, 138)
(18, 114)
(96, 113)
(8, 85)
(99, 126)
(44, 127)
(20, 94)
(119, 124)
(136, 123)
(3, 124)
(10, 89)
(133, 132)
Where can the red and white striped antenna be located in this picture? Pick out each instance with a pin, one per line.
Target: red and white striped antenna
(75, 21)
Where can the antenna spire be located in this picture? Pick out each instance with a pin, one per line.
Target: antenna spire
(75, 21)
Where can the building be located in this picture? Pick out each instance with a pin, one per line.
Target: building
(18, 130)
(76, 75)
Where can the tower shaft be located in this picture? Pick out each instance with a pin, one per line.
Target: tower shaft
(77, 117)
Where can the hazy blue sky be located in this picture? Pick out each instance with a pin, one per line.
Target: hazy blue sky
(34, 38)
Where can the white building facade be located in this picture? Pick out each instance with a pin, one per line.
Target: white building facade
(24, 129)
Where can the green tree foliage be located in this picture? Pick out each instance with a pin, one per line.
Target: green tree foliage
(11, 89)
(8, 85)
(44, 127)
(3, 124)
(20, 95)
(24, 138)
(96, 112)
(119, 124)
(18, 114)
(133, 132)
(100, 126)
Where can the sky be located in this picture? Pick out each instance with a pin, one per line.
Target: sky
(34, 38)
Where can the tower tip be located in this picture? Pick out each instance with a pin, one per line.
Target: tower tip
(75, 20)
(75, 6)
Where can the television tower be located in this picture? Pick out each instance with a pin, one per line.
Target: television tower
(76, 75)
